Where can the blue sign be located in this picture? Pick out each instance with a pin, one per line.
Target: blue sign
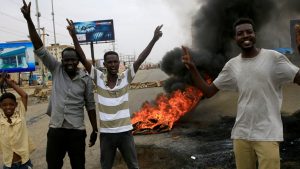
(17, 57)
(95, 31)
(284, 50)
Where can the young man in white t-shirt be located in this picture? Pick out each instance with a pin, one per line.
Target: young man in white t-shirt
(258, 76)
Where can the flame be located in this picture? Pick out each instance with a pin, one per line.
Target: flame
(167, 110)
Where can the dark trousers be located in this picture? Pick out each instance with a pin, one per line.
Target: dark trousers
(61, 141)
(110, 142)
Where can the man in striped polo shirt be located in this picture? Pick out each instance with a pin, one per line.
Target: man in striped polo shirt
(112, 94)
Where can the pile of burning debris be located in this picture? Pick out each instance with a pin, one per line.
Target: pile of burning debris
(167, 110)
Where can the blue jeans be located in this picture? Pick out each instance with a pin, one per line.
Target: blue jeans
(19, 165)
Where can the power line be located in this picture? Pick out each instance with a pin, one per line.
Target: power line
(20, 20)
(32, 11)
(58, 33)
(51, 21)
(12, 33)
(17, 19)
(14, 2)
(13, 30)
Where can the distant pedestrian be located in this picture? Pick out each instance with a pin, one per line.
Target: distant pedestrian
(4, 86)
(258, 75)
(72, 90)
(15, 143)
(112, 94)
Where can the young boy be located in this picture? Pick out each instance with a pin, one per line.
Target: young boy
(14, 140)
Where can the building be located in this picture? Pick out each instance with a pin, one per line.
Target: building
(127, 59)
(56, 49)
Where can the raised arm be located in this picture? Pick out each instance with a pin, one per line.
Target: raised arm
(297, 78)
(78, 48)
(20, 91)
(48, 60)
(147, 50)
(208, 89)
(35, 38)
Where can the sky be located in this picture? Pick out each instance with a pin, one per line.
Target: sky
(134, 23)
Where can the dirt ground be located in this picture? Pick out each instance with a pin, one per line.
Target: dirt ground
(224, 103)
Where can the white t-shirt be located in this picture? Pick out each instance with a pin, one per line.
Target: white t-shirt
(259, 82)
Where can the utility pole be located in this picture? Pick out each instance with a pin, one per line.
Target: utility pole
(53, 22)
(42, 65)
(43, 35)
(114, 46)
(38, 14)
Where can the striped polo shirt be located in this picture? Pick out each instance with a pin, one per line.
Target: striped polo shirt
(113, 103)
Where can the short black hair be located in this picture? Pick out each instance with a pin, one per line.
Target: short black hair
(110, 53)
(8, 95)
(69, 49)
(243, 21)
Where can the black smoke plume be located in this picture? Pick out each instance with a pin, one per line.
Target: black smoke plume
(212, 35)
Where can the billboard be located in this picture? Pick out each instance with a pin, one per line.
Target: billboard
(16, 57)
(293, 23)
(95, 31)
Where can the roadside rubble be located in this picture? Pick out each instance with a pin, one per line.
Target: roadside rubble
(41, 92)
(141, 85)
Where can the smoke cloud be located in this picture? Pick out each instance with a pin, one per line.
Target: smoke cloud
(212, 35)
